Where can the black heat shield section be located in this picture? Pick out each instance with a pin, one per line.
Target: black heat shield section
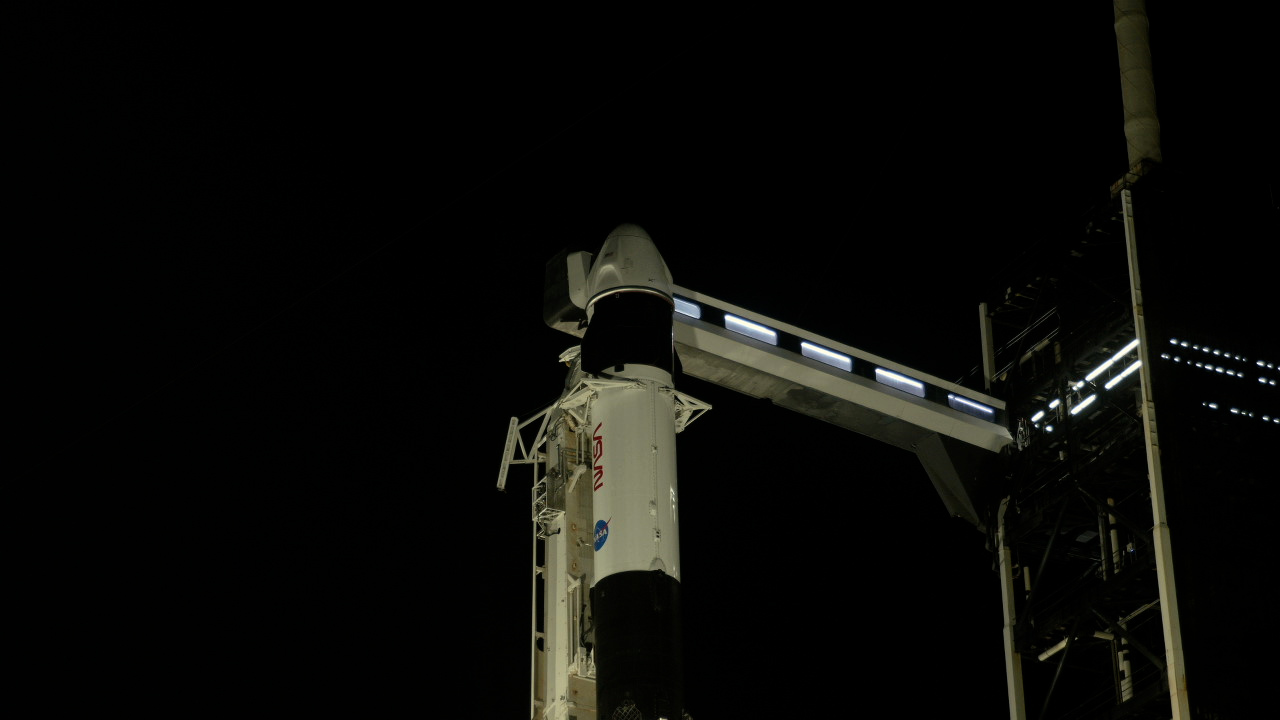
(629, 328)
(639, 649)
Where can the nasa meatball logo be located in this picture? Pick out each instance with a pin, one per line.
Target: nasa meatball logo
(602, 532)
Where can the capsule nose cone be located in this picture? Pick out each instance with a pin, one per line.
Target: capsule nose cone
(628, 262)
(629, 230)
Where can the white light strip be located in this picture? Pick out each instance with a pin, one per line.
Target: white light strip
(1245, 413)
(1114, 359)
(1205, 366)
(901, 382)
(1127, 372)
(823, 355)
(750, 329)
(1119, 355)
(1207, 349)
(955, 400)
(1084, 404)
(684, 307)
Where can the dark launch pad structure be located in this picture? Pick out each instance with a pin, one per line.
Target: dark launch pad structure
(1127, 526)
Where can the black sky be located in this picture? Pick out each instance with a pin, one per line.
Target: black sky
(289, 272)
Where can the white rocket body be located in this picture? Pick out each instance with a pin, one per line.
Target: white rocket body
(606, 506)
(628, 350)
(633, 441)
(634, 431)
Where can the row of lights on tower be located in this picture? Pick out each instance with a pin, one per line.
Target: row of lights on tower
(1076, 408)
(1212, 367)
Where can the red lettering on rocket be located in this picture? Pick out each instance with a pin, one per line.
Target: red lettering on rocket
(597, 451)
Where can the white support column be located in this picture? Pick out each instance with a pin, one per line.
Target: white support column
(1116, 553)
(557, 642)
(1141, 126)
(1179, 704)
(988, 346)
(534, 663)
(1012, 658)
(1126, 668)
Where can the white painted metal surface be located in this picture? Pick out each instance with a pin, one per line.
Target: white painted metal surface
(561, 452)
(1175, 659)
(741, 363)
(628, 261)
(633, 474)
(1012, 658)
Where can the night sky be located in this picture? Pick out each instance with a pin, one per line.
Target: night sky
(289, 273)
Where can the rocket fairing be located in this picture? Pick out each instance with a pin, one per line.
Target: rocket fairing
(635, 594)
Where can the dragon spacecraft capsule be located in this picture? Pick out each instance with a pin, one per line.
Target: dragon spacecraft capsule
(635, 592)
